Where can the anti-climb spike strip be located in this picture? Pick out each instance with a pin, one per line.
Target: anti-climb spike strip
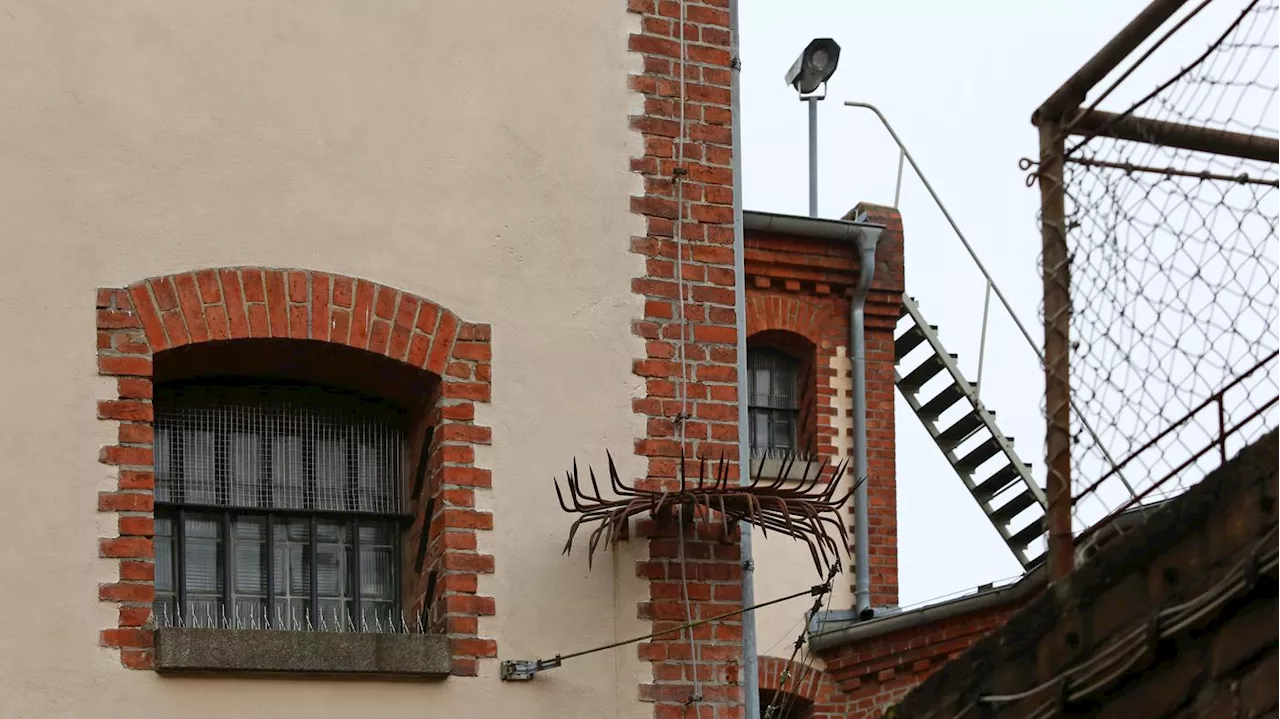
(804, 510)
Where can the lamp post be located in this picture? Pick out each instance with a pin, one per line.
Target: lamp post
(809, 75)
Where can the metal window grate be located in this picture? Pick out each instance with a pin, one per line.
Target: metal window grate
(290, 448)
(277, 507)
(771, 389)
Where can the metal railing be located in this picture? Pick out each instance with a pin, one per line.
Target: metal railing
(990, 287)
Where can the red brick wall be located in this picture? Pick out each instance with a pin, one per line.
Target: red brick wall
(803, 286)
(704, 291)
(861, 680)
(235, 303)
(801, 685)
(876, 673)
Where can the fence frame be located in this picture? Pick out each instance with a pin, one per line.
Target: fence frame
(1064, 114)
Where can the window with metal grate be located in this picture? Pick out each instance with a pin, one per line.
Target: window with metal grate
(772, 379)
(277, 507)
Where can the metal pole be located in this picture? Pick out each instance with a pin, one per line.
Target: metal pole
(1173, 134)
(897, 185)
(1057, 349)
(750, 654)
(1074, 90)
(982, 339)
(813, 156)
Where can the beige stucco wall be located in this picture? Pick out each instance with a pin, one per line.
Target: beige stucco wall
(783, 565)
(475, 153)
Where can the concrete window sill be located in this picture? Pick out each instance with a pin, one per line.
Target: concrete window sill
(771, 469)
(185, 651)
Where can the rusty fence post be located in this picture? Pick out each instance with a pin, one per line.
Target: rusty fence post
(1057, 349)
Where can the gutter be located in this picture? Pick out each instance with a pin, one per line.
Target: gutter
(845, 230)
(858, 631)
(858, 344)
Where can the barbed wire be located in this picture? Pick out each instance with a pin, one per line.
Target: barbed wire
(1173, 271)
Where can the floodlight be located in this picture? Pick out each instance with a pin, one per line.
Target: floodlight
(814, 66)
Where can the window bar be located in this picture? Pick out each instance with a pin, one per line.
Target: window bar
(311, 479)
(353, 504)
(222, 484)
(180, 563)
(314, 564)
(354, 586)
(265, 472)
(228, 572)
(266, 494)
(395, 578)
(178, 492)
(271, 572)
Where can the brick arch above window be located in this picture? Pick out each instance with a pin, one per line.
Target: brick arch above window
(790, 313)
(809, 684)
(213, 305)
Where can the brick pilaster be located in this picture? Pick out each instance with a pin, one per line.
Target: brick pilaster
(702, 298)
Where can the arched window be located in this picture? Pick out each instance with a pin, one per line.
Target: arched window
(773, 378)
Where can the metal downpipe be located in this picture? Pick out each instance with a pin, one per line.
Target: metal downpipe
(750, 657)
(858, 342)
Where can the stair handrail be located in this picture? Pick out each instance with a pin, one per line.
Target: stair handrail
(991, 284)
(903, 153)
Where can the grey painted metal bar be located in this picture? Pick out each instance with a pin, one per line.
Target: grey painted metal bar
(750, 653)
(1077, 87)
(1172, 134)
(813, 155)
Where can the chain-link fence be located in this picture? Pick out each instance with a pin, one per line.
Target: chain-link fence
(1160, 261)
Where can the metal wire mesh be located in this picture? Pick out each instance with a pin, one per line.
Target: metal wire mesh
(1173, 272)
(773, 379)
(277, 447)
(277, 508)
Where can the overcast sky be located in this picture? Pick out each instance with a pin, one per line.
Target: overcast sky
(959, 82)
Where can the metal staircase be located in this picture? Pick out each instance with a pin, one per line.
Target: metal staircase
(981, 454)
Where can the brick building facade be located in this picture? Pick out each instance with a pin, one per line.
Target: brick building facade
(517, 284)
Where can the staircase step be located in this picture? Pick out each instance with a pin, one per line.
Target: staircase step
(909, 341)
(1011, 508)
(1035, 561)
(988, 449)
(1028, 533)
(932, 409)
(1011, 481)
(932, 365)
(960, 431)
(993, 485)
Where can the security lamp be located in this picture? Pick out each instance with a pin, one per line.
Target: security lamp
(814, 66)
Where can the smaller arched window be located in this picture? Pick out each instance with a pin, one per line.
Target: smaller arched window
(773, 378)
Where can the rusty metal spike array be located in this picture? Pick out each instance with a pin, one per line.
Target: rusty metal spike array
(802, 511)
